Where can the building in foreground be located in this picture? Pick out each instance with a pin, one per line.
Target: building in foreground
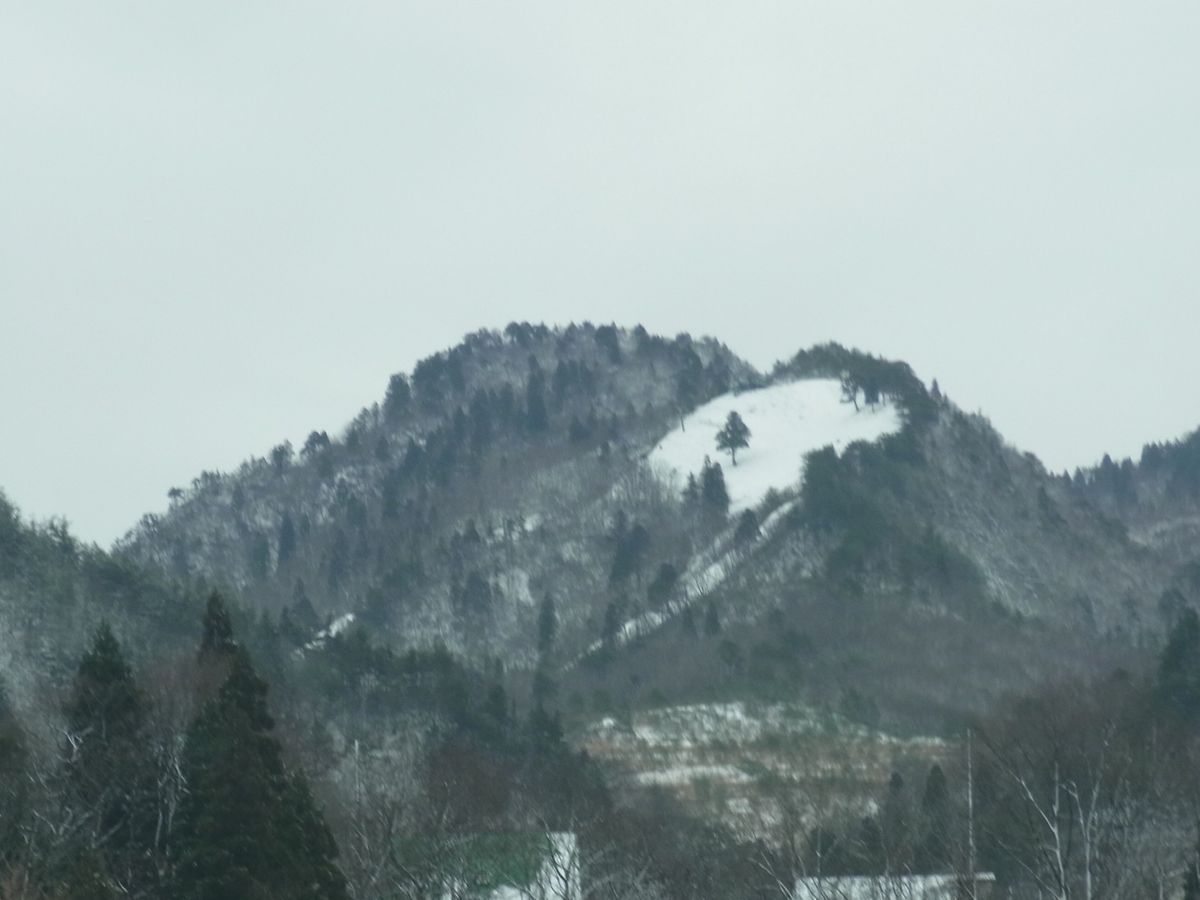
(896, 887)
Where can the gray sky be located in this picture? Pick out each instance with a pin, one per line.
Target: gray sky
(223, 224)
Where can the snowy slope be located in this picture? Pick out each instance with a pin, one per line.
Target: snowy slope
(786, 421)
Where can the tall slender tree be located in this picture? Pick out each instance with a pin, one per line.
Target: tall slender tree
(248, 828)
(107, 765)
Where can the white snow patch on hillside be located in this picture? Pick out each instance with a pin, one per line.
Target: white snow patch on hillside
(680, 775)
(336, 627)
(786, 421)
(514, 584)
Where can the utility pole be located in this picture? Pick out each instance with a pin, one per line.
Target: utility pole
(971, 815)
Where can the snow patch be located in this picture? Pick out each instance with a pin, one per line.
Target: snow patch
(336, 627)
(681, 775)
(514, 584)
(786, 421)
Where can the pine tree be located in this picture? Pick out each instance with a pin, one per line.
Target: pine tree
(287, 539)
(747, 527)
(536, 418)
(216, 637)
(106, 761)
(632, 546)
(247, 827)
(733, 436)
(259, 556)
(397, 399)
(712, 488)
(339, 559)
(688, 381)
(1178, 685)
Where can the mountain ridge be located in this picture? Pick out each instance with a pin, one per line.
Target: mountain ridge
(511, 469)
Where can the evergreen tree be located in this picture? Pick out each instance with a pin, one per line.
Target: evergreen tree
(632, 545)
(733, 436)
(397, 399)
(747, 527)
(287, 539)
(339, 559)
(259, 556)
(664, 581)
(688, 384)
(712, 488)
(1178, 685)
(106, 762)
(608, 338)
(248, 829)
(536, 418)
(216, 629)
(281, 458)
(389, 500)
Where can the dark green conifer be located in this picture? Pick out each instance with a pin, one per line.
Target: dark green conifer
(248, 828)
(107, 765)
(536, 417)
(1178, 685)
(287, 539)
(712, 488)
(216, 635)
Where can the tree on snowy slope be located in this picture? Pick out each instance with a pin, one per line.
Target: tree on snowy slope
(733, 436)
(713, 492)
(248, 828)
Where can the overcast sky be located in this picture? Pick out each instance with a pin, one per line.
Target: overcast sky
(224, 224)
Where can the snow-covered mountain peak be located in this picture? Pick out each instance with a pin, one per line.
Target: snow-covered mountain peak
(786, 421)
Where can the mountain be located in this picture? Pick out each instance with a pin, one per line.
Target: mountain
(540, 473)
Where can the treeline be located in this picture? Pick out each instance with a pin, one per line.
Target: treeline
(175, 789)
(1168, 470)
(872, 377)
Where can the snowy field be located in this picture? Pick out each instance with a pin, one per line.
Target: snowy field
(786, 421)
